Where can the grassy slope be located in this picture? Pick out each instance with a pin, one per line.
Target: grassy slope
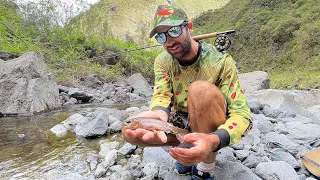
(280, 37)
(132, 19)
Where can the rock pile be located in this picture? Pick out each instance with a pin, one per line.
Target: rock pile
(271, 150)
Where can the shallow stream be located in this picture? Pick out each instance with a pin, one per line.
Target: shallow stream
(29, 149)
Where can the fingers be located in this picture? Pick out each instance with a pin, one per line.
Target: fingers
(162, 136)
(185, 159)
(146, 135)
(131, 133)
(191, 137)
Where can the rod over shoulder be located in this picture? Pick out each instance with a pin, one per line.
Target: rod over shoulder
(212, 35)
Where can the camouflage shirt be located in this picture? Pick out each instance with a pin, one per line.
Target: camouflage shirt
(172, 81)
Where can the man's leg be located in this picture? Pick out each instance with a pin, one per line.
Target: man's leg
(207, 111)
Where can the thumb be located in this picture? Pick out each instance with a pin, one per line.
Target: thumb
(191, 137)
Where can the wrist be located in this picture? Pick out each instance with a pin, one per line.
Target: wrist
(224, 138)
(215, 142)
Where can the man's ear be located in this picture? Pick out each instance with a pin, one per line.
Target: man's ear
(190, 27)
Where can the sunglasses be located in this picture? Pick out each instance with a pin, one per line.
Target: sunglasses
(173, 32)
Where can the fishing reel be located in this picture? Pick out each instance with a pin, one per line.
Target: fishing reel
(222, 42)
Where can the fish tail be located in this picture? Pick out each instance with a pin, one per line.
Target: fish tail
(186, 145)
(180, 137)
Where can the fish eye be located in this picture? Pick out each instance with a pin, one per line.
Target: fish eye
(128, 121)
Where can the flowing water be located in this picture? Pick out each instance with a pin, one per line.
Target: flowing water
(29, 149)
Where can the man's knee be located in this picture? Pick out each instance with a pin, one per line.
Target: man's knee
(198, 87)
(206, 90)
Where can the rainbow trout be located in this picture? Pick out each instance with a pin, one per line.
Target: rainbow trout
(154, 124)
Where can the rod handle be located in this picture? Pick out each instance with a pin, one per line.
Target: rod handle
(212, 35)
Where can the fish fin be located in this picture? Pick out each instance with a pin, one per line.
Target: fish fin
(158, 118)
(180, 137)
(186, 145)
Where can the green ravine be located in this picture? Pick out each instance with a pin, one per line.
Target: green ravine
(281, 37)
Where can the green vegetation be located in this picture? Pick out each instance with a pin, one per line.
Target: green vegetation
(276, 36)
(281, 37)
(70, 52)
(132, 19)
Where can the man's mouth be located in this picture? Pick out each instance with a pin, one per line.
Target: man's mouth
(174, 48)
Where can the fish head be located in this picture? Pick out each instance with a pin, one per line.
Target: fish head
(130, 124)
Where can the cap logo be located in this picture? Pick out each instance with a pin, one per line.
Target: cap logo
(165, 12)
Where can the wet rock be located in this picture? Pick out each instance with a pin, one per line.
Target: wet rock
(72, 176)
(59, 130)
(132, 110)
(93, 160)
(115, 127)
(71, 101)
(80, 95)
(127, 149)
(71, 122)
(94, 125)
(106, 147)
(108, 161)
(119, 114)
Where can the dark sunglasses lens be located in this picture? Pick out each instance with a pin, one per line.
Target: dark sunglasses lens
(161, 38)
(175, 31)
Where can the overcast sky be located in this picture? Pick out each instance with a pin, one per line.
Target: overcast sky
(91, 1)
(67, 9)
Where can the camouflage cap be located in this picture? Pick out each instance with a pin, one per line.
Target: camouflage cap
(168, 15)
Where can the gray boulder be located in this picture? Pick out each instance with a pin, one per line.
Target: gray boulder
(254, 81)
(297, 100)
(26, 86)
(276, 170)
(233, 170)
(140, 85)
(94, 124)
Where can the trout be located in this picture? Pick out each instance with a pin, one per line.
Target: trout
(154, 124)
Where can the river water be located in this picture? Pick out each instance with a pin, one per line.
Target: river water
(29, 149)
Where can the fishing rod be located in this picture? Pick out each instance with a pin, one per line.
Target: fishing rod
(8, 114)
(222, 43)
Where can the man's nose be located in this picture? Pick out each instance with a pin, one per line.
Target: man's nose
(169, 39)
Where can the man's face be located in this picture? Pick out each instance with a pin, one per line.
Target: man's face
(178, 47)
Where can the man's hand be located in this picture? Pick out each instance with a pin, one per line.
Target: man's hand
(204, 144)
(143, 137)
(146, 136)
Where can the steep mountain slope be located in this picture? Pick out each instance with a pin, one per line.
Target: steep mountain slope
(281, 37)
(132, 19)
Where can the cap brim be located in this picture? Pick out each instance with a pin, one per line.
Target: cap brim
(165, 23)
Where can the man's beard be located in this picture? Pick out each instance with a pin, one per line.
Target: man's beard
(186, 48)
